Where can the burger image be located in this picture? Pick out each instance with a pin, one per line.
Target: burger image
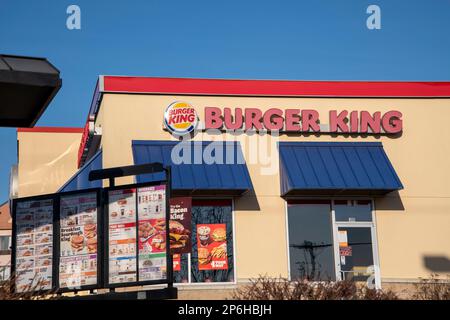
(77, 243)
(219, 235)
(45, 239)
(46, 262)
(90, 230)
(27, 253)
(114, 214)
(204, 257)
(159, 242)
(176, 226)
(178, 235)
(122, 202)
(92, 245)
(147, 263)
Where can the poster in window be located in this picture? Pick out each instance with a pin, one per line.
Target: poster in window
(122, 236)
(212, 246)
(34, 245)
(78, 240)
(176, 260)
(180, 225)
(152, 233)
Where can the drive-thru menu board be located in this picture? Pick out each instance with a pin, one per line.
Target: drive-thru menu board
(122, 236)
(34, 249)
(152, 233)
(67, 227)
(78, 240)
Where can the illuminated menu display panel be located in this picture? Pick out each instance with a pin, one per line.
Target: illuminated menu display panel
(34, 245)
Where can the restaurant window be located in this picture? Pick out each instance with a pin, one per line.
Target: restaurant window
(212, 215)
(353, 210)
(5, 244)
(311, 240)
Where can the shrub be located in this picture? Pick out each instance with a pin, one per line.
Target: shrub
(266, 288)
(432, 288)
(6, 292)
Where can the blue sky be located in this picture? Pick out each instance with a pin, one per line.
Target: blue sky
(252, 39)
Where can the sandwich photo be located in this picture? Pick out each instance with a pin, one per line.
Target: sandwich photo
(90, 230)
(204, 257)
(219, 235)
(178, 235)
(77, 242)
(92, 245)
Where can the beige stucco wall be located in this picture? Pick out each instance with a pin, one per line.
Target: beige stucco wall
(46, 161)
(411, 225)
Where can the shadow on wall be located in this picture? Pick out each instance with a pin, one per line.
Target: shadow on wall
(437, 264)
(248, 202)
(390, 202)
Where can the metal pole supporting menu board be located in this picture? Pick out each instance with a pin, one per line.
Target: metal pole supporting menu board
(72, 241)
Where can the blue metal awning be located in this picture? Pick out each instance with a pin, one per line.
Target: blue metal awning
(80, 180)
(336, 168)
(224, 172)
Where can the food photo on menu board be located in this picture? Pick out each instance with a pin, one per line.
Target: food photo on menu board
(122, 236)
(152, 233)
(180, 225)
(34, 245)
(78, 240)
(212, 246)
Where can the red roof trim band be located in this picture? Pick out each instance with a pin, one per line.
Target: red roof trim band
(51, 130)
(274, 87)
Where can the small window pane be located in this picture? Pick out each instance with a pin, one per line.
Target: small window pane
(311, 242)
(353, 211)
(5, 243)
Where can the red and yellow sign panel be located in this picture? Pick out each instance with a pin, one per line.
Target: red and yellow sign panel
(212, 246)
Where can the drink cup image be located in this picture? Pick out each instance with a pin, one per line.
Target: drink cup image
(204, 235)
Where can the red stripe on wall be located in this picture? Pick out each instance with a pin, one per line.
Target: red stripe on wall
(275, 87)
(51, 129)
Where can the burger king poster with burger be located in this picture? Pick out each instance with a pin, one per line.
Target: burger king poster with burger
(180, 225)
(212, 246)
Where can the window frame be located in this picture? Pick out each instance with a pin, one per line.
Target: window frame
(335, 225)
(7, 251)
(210, 284)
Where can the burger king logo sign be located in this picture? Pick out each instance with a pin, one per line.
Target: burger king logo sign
(180, 118)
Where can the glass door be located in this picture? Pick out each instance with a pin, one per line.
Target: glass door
(355, 243)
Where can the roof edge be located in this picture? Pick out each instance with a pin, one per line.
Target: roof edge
(52, 130)
(276, 88)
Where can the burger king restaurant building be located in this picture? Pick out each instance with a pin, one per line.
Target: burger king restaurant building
(326, 180)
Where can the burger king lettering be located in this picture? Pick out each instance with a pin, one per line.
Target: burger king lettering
(181, 118)
(296, 120)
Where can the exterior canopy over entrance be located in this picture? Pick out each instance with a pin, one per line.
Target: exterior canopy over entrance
(336, 168)
(226, 174)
